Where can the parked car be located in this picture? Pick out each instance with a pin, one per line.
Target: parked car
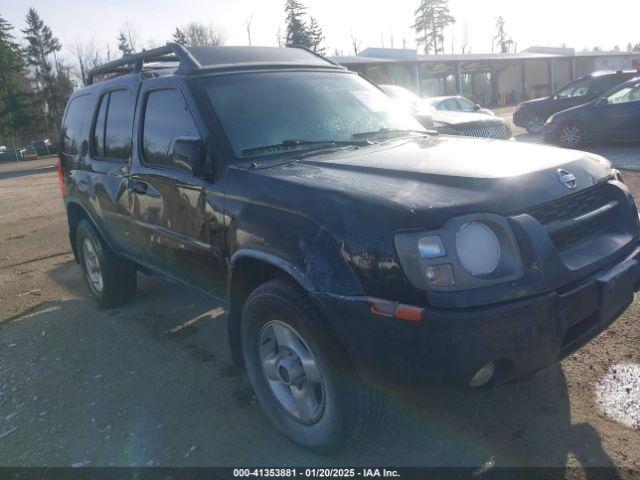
(30, 152)
(457, 103)
(615, 116)
(351, 247)
(533, 114)
(470, 124)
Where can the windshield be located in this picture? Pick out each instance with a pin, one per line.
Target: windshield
(293, 109)
(400, 93)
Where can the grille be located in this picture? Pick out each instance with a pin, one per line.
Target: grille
(492, 131)
(576, 217)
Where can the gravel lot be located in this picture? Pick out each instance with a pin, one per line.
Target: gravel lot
(152, 383)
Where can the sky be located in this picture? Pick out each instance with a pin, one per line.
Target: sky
(576, 23)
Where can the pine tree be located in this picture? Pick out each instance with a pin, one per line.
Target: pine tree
(297, 33)
(16, 112)
(501, 39)
(179, 37)
(124, 45)
(431, 18)
(316, 36)
(41, 44)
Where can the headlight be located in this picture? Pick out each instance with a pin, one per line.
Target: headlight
(467, 252)
(478, 248)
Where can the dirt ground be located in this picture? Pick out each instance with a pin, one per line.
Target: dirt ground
(152, 383)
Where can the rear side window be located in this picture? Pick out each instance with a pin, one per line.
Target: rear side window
(602, 84)
(166, 117)
(78, 113)
(112, 131)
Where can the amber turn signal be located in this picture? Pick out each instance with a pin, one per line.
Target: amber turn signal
(385, 308)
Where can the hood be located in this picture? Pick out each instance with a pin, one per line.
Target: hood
(580, 112)
(439, 177)
(461, 118)
(535, 101)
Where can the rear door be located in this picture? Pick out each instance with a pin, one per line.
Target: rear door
(177, 217)
(109, 155)
(620, 114)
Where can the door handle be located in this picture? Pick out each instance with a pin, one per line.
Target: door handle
(138, 186)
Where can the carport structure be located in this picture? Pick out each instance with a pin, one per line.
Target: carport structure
(487, 78)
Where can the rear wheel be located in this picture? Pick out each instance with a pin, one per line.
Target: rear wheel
(301, 376)
(534, 123)
(111, 280)
(572, 135)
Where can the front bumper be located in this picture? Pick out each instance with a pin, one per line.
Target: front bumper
(451, 345)
(519, 118)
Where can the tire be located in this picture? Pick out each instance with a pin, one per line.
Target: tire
(571, 135)
(534, 123)
(111, 280)
(337, 408)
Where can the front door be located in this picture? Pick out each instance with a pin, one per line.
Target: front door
(176, 216)
(619, 113)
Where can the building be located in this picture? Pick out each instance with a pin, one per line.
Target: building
(488, 79)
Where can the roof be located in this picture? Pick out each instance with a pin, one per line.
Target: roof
(175, 58)
(223, 56)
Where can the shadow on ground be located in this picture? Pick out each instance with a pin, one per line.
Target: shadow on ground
(152, 383)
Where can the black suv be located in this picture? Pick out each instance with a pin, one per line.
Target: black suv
(351, 246)
(533, 114)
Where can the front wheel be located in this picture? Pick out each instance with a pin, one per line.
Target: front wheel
(572, 135)
(301, 376)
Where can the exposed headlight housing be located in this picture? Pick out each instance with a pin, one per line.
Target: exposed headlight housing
(478, 248)
(468, 252)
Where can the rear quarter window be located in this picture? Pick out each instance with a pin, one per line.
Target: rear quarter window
(112, 129)
(74, 124)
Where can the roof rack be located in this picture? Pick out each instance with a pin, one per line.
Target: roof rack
(134, 63)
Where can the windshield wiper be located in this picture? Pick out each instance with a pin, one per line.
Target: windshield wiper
(387, 131)
(300, 142)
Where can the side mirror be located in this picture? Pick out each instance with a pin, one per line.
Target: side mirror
(602, 102)
(477, 107)
(189, 154)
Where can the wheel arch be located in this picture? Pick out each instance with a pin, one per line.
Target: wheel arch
(249, 268)
(76, 212)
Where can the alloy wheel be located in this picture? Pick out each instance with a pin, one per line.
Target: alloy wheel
(291, 371)
(571, 136)
(92, 266)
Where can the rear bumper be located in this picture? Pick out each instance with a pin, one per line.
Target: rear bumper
(451, 345)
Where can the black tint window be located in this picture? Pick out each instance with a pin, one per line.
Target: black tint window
(119, 119)
(98, 131)
(166, 117)
(77, 116)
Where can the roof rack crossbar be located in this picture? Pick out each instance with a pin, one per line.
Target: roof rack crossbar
(136, 61)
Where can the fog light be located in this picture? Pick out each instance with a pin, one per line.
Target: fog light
(484, 375)
(440, 275)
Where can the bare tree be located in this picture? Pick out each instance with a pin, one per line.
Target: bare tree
(128, 39)
(197, 34)
(280, 37)
(355, 43)
(465, 38)
(88, 57)
(247, 24)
